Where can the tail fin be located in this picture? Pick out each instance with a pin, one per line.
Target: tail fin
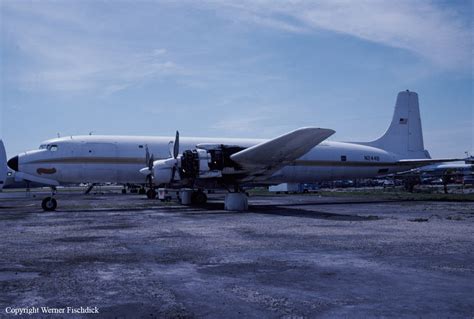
(404, 135)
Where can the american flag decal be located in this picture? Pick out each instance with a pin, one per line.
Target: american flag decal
(403, 120)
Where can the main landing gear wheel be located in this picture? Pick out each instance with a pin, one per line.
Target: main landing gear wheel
(49, 204)
(198, 198)
(151, 193)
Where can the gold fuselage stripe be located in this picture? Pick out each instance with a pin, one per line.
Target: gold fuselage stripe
(137, 160)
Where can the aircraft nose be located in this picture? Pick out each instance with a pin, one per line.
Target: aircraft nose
(13, 163)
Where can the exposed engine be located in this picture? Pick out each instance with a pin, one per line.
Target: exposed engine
(210, 162)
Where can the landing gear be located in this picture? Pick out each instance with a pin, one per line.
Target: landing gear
(198, 197)
(49, 204)
(151, 193)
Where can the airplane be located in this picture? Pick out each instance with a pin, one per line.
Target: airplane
(196, 164)
(442, 171)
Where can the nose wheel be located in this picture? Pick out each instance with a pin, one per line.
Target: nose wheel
(49, 204)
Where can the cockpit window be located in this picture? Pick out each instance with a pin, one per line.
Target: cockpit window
(42, 146)
(53, 148)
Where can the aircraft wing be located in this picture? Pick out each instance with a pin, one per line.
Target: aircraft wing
(20, 176)
(264, 159)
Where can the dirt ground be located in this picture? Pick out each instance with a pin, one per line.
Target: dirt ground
(287, 257)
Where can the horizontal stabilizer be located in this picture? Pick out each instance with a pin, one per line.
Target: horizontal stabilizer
(427, 161)
(282, 150)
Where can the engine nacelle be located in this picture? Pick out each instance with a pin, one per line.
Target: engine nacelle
(207, 161)
(197, 164)
(163, 171)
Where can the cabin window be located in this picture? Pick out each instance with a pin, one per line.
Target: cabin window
(343, 158)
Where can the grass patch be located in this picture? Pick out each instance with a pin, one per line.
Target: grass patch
(400, 195)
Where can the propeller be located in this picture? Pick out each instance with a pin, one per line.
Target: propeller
(162, 171)
(148, 170)
(176, 145)
(175, 156)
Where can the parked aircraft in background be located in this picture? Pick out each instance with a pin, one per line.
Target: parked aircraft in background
(441, 169)
(442, 173)
(303, 155)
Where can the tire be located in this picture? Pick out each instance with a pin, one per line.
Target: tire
(49, 204)
(198, 198)
(151, 193)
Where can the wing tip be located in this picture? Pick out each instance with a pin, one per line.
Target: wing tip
(313, 128)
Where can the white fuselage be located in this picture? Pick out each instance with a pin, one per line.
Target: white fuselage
(118, 159)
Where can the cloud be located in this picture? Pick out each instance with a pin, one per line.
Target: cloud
(103, 71)
(63, 51)
(253, 121)
(76, 47)
(438, 34)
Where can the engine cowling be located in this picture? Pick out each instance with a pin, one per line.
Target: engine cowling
(163, 171)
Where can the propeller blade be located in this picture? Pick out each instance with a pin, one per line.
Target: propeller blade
(173, 172)
(150, 162)
(176, 145)
(145, 171)
(147, 155)
(149, 180)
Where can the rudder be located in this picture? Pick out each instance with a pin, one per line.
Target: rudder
(404, 135)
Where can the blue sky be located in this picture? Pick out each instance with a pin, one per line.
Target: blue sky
(234, 69)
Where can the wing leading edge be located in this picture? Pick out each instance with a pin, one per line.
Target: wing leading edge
(267, 157)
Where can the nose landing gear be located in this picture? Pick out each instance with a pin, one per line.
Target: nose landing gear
(49, 203)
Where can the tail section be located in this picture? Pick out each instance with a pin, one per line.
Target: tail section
(404, 136)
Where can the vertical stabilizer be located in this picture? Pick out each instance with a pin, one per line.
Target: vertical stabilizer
(404, 135)
(3, 165)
